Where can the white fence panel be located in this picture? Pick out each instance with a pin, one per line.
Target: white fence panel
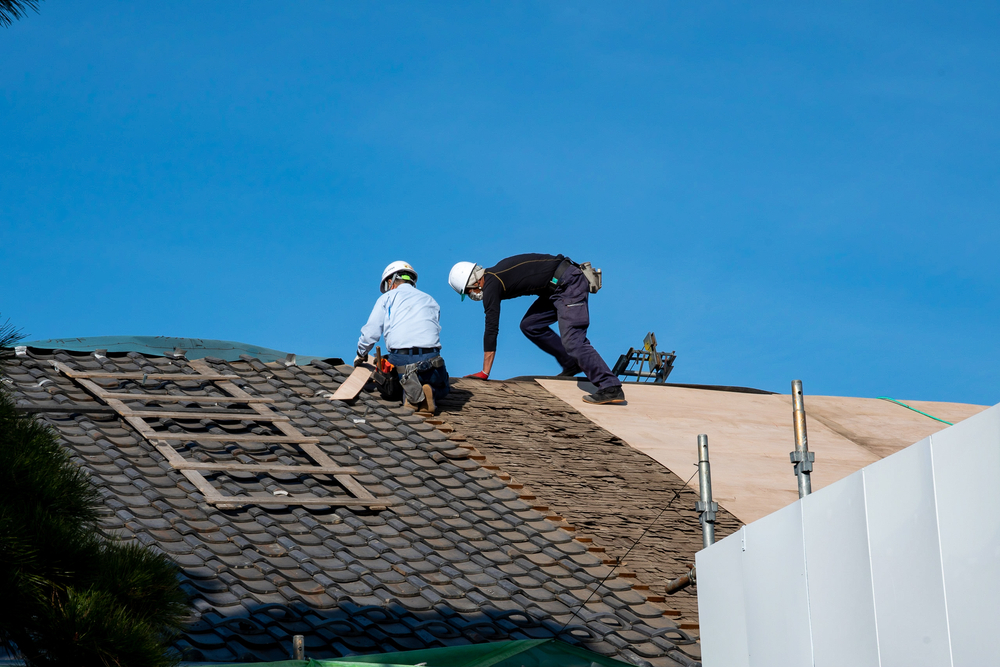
(724, 633)
(774, 586)
(906, 560)
(967, 482)
(841, 601)
(897, 565)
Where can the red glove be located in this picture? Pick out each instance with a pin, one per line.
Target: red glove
(479, 376)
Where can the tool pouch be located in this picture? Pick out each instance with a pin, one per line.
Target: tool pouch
(412, 387)
(592, 275)
(386, 378)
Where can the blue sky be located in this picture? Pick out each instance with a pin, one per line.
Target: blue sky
(779, 191)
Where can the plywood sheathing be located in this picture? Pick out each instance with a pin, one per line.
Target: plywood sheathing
(750, 435)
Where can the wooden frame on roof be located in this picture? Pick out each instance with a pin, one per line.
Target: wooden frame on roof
(359, 495)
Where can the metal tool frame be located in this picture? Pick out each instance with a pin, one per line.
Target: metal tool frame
(658, 364)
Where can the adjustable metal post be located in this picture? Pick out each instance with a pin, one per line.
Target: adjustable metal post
(298, 647)
(705, 506)
(801, 457)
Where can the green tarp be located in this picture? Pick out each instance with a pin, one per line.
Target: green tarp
(524, 653)
(196, 348)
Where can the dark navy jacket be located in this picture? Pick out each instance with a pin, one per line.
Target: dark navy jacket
(520, 275)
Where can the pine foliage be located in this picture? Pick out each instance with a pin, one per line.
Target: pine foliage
(15, 9)
(71, 595)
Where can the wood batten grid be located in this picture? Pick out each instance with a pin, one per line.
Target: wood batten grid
(258, 412)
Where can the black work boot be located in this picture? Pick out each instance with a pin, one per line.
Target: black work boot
(570, 370)
(605, 396)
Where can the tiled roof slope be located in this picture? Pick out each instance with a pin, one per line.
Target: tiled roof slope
(610, 492)
(459, 560)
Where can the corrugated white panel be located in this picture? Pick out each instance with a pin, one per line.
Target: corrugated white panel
(841, 602)
(774, 585)
(906, 563)
(720, 590)
(966, 474)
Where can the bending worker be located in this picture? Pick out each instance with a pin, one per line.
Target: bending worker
(410, 322)
(562, 290)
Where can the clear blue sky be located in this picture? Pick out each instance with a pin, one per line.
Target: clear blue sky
(779, 191)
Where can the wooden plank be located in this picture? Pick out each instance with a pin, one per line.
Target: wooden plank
(204, 414)
(261, 499)
(187, 377)
(350, 484)
(266, 469)
(225, 437)
(170, 398)
(211, 493)
(190, 469)
(100, 392)
(353, 385)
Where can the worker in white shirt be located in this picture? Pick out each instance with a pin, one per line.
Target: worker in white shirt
(409, 321)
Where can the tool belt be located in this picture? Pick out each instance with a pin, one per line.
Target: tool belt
(409, 378)
(592, 275)
(386, 378)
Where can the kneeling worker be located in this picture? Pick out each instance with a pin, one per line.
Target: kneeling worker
(410, 322)
(563, 291)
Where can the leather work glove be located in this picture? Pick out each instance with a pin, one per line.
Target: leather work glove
(479, 376)
(360, 361)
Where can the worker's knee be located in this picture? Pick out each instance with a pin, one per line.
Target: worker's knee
(574, 341)
(532, 328)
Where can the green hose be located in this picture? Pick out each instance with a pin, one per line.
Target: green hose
(893, 400)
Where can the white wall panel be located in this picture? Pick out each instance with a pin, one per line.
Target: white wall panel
(723, 631)
(966, 461)
(895, 566)
(774, 585)
(906, 563)
(841, 601)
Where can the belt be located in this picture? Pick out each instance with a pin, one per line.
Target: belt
(561, 269)
(415, 350)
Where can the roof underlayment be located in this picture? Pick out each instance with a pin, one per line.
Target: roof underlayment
(750, 435)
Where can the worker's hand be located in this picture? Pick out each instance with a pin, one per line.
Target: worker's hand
(479, 376)
(360, 361)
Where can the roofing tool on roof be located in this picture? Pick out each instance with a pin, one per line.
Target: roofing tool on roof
(802, 458)
(658, 364)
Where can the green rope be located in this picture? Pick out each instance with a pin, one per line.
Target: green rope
(893, 400)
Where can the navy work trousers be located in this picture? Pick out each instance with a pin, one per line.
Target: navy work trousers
(568, 306)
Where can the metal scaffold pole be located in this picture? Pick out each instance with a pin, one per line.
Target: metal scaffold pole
(802, 458)
(705, 506)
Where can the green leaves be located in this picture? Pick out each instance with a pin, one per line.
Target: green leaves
(71, 595)
(15, 9)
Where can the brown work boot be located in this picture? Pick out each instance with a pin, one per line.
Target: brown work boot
(428, 401)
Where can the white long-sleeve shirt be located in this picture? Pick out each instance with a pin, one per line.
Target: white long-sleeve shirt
(405, 317)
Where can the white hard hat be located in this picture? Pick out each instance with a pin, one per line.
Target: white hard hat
(459, 276)
(397, 270)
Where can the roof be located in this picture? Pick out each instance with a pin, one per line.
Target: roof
(610, 493)
(194, 348)
(449, 555)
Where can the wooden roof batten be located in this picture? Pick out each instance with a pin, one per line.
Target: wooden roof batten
(359, 496)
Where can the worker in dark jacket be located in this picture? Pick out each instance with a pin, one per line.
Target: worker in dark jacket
(563, 292)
